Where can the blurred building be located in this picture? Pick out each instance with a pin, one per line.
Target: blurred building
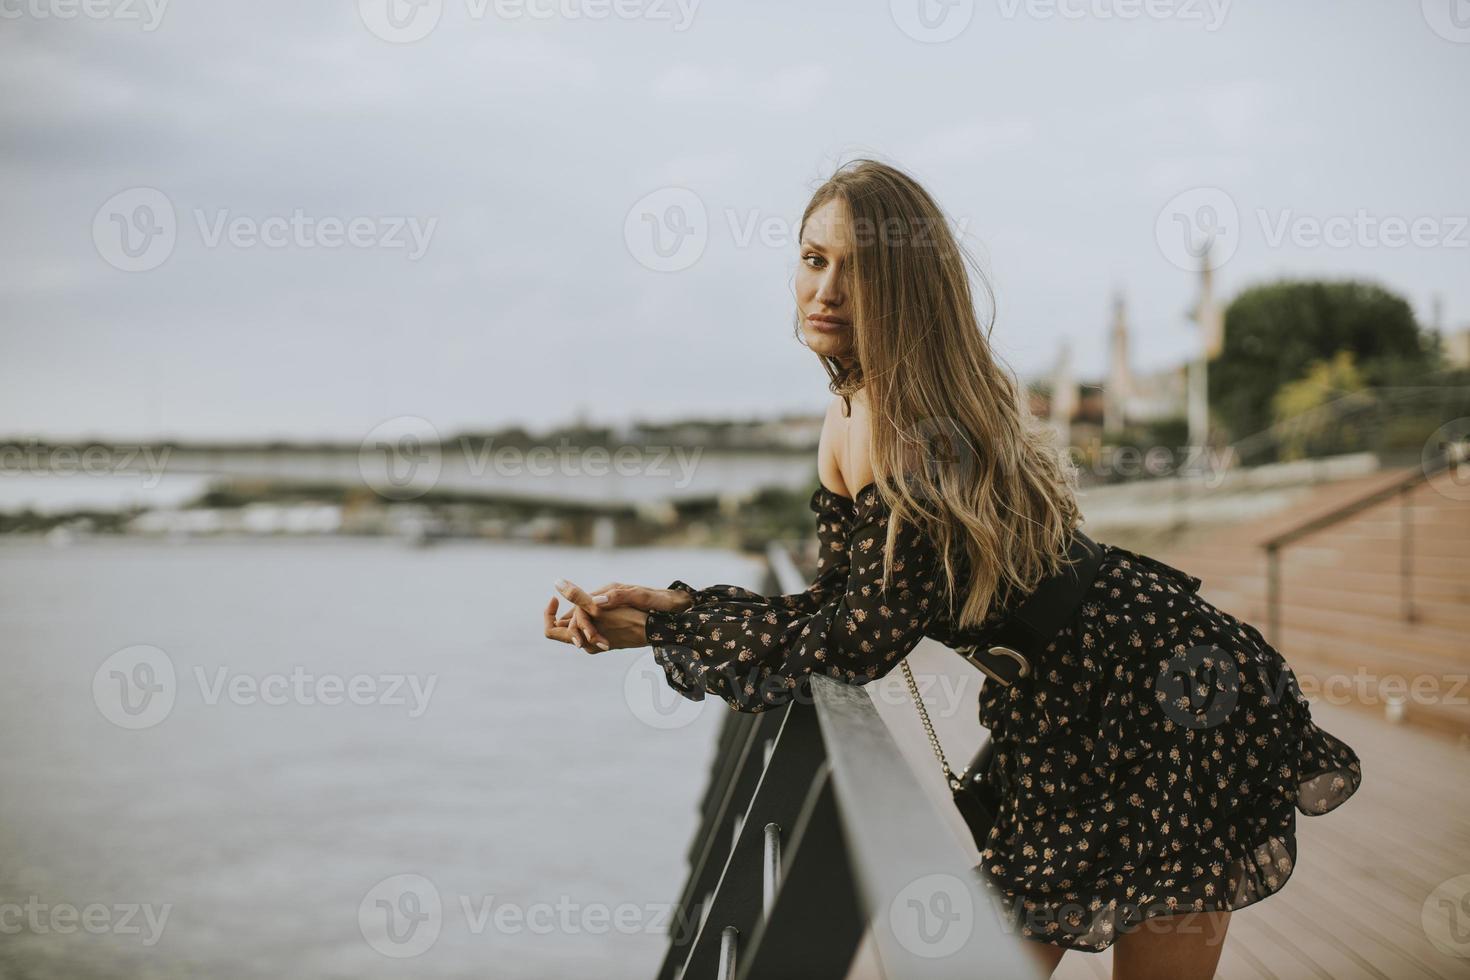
(1125, 397)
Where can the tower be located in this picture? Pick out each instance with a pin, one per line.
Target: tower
(1120, 381)
(1063, 393)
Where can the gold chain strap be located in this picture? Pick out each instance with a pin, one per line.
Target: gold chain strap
(953, 780)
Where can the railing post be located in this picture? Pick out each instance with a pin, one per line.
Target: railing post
(771, 868)
(1406, 554)
(729, 939)
(1273, 592)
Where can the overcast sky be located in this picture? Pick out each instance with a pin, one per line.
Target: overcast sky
(473, 237)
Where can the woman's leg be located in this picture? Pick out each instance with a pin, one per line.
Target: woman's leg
(1171, 947)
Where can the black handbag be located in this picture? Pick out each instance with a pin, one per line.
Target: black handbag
(1017, 643)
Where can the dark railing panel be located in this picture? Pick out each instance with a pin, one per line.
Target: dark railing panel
(816, 923)
(733, 777)
(777, 798)
(912, 872)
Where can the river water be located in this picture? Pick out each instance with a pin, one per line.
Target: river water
(335, 758)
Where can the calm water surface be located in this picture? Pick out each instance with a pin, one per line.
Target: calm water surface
(545, 796)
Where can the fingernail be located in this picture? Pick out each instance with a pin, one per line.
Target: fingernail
(577, 640)
(561, 584)
(599, 599)
(604, 646)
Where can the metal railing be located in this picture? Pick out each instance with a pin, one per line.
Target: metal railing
(1387, 421)
(814, 833)
(1403, 488)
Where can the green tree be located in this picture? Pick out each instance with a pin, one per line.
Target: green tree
(1324, 382)
(1275, 332)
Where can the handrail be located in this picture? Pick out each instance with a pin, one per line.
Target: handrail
(1378, 406)
(1454, 454)
(815, 832)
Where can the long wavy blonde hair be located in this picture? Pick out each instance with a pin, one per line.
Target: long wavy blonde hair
(972, 465)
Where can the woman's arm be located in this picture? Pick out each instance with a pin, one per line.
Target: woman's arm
(834, 521)
(752, 652)
(842, 438)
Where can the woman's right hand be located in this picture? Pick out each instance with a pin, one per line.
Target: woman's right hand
(642, 597)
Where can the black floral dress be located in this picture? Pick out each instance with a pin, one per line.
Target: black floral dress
(1153, 765)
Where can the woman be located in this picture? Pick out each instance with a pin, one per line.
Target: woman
(1122, 803)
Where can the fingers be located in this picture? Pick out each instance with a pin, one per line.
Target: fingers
(620, 595)
(575, 626)
(556, 629)
(582, 623)
(575, 594)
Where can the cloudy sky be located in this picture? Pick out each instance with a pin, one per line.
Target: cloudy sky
(286, 219)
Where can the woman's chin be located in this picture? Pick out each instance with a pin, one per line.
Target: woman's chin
(827, 344)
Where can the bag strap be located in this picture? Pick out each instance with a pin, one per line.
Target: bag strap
(949, 776)
(1025, 633)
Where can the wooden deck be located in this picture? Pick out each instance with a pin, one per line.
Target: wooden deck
(1354, 905)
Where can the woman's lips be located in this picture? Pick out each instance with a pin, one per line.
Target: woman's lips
(827, 324)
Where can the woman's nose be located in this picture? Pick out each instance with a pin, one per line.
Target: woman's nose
(829, 292)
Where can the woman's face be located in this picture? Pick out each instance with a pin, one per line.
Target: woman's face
(822, 276)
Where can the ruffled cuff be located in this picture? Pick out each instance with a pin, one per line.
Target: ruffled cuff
(680, 665)
(715, 593)
(685, 586)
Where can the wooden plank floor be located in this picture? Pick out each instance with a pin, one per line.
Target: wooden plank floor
(1353, 906)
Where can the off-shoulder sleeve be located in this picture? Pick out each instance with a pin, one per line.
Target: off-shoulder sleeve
(834, 520)
(753, 653)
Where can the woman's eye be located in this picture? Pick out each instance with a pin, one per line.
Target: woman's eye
(811, 259)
